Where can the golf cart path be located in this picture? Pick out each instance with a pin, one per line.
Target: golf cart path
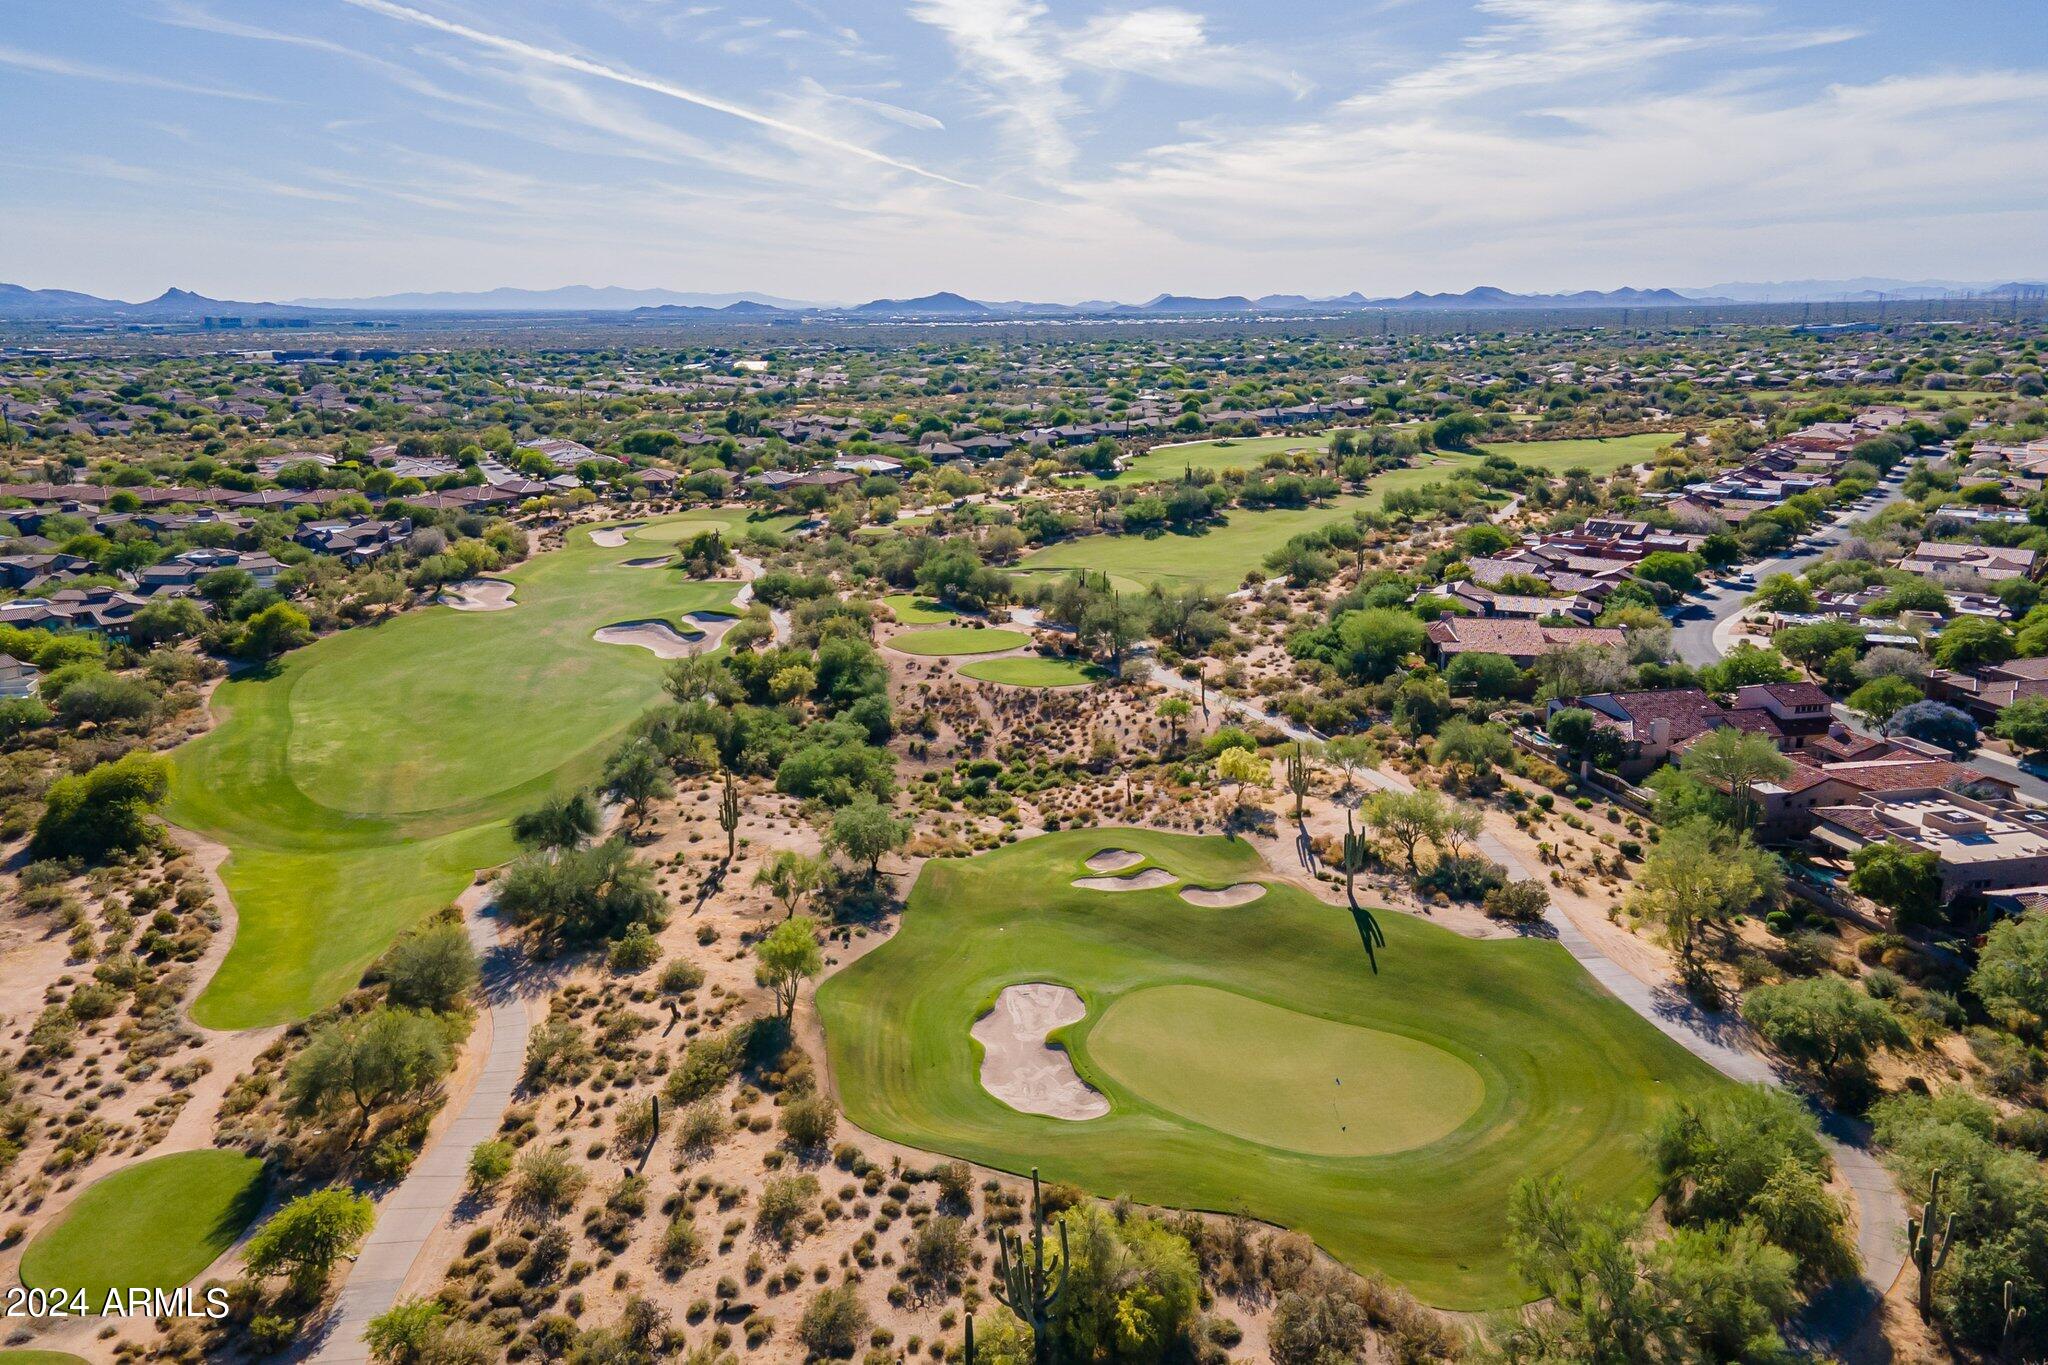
(410, 1214)
(1835, 1313)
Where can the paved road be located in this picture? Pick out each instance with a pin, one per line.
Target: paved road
(408, 1216)
(1693, 635)
(1834, 1315)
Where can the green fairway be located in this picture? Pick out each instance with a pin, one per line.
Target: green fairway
(153, 1225)
(1027, 670)
(1222, 1037)
(40, 1357)
(1218, 556)
(361, 783)
(1596, 454)
(1164, 464)
(913, 610)
(731, 522)
(958, 640)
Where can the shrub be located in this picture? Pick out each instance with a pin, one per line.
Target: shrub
(635, 952)
(784, 1201)
(489, 1162)
(547, 1181)
(1521, 902)
(809, 1122)
(433, 969)
(834, 1322)
(1466, 877)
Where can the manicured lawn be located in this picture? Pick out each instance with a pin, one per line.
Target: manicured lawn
(913, 610)
(1218, 557)
(41, 1357)
(1025, 670)
(154, 1225)
(362, 782)
(1598, 454)
(1253, 1060)
(958, 640)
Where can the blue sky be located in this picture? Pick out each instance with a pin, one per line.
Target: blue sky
(1048, 149)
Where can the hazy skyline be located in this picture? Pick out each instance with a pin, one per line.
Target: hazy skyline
(1012, 148)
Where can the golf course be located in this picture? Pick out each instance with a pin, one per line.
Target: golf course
(1594, 454)
(361, 782)
(1250, 1057)
(945, 640)
(154, 1225)
(1030, 670)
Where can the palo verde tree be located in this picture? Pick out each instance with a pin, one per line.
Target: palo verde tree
(786, 958)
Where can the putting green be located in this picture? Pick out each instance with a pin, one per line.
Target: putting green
(361, 782)
(1276, 1001)
(957, 640)
(730, 522)
(1032, 671)
(154, 1225)
(912, 610)
(1282, 1079)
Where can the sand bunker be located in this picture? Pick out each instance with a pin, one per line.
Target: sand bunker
(1114, 860)
(657, 637)
(1223, 897)
(1149, 879)
(477, 594)
(1020, 1068)
(612, 537)
(645, 562)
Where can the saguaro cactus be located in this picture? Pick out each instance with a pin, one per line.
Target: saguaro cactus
(967, 1351)
(1032, 1289)
(1928, 1248)
(1356, 855)
(729, 816)
(1297, 777)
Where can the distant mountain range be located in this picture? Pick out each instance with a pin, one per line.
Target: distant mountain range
(659, 305)
(571, 298)
(1861, 289)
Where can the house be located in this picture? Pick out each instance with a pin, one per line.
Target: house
(1786, 806)
(1655, 728)
(1799, 713)
(1990, 562)
(1990, 688)
(1521, 641)
(179, 575)
(106, 610)
(869, 466)
(1983, 845)
(356, 540)
(18, 678)
(26, 573)
(565, 454)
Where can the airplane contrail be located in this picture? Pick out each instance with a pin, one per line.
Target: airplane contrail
(570, 62)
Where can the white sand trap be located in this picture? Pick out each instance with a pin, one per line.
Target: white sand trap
(645, 562)
(1223, 897)
(477, 594)
(657, 637)
(1150, 879)
(612, 537)
(1020, 1068)
(1114, 860)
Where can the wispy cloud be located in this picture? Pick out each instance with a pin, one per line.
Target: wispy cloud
(44, 64)
(569, 61)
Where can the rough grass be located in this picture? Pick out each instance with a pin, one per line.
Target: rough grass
(913, 610)
(361, 783)
(1033, 671)
(1570, 1076)
(153, 1225)
(957, 640)
(1596, 454)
